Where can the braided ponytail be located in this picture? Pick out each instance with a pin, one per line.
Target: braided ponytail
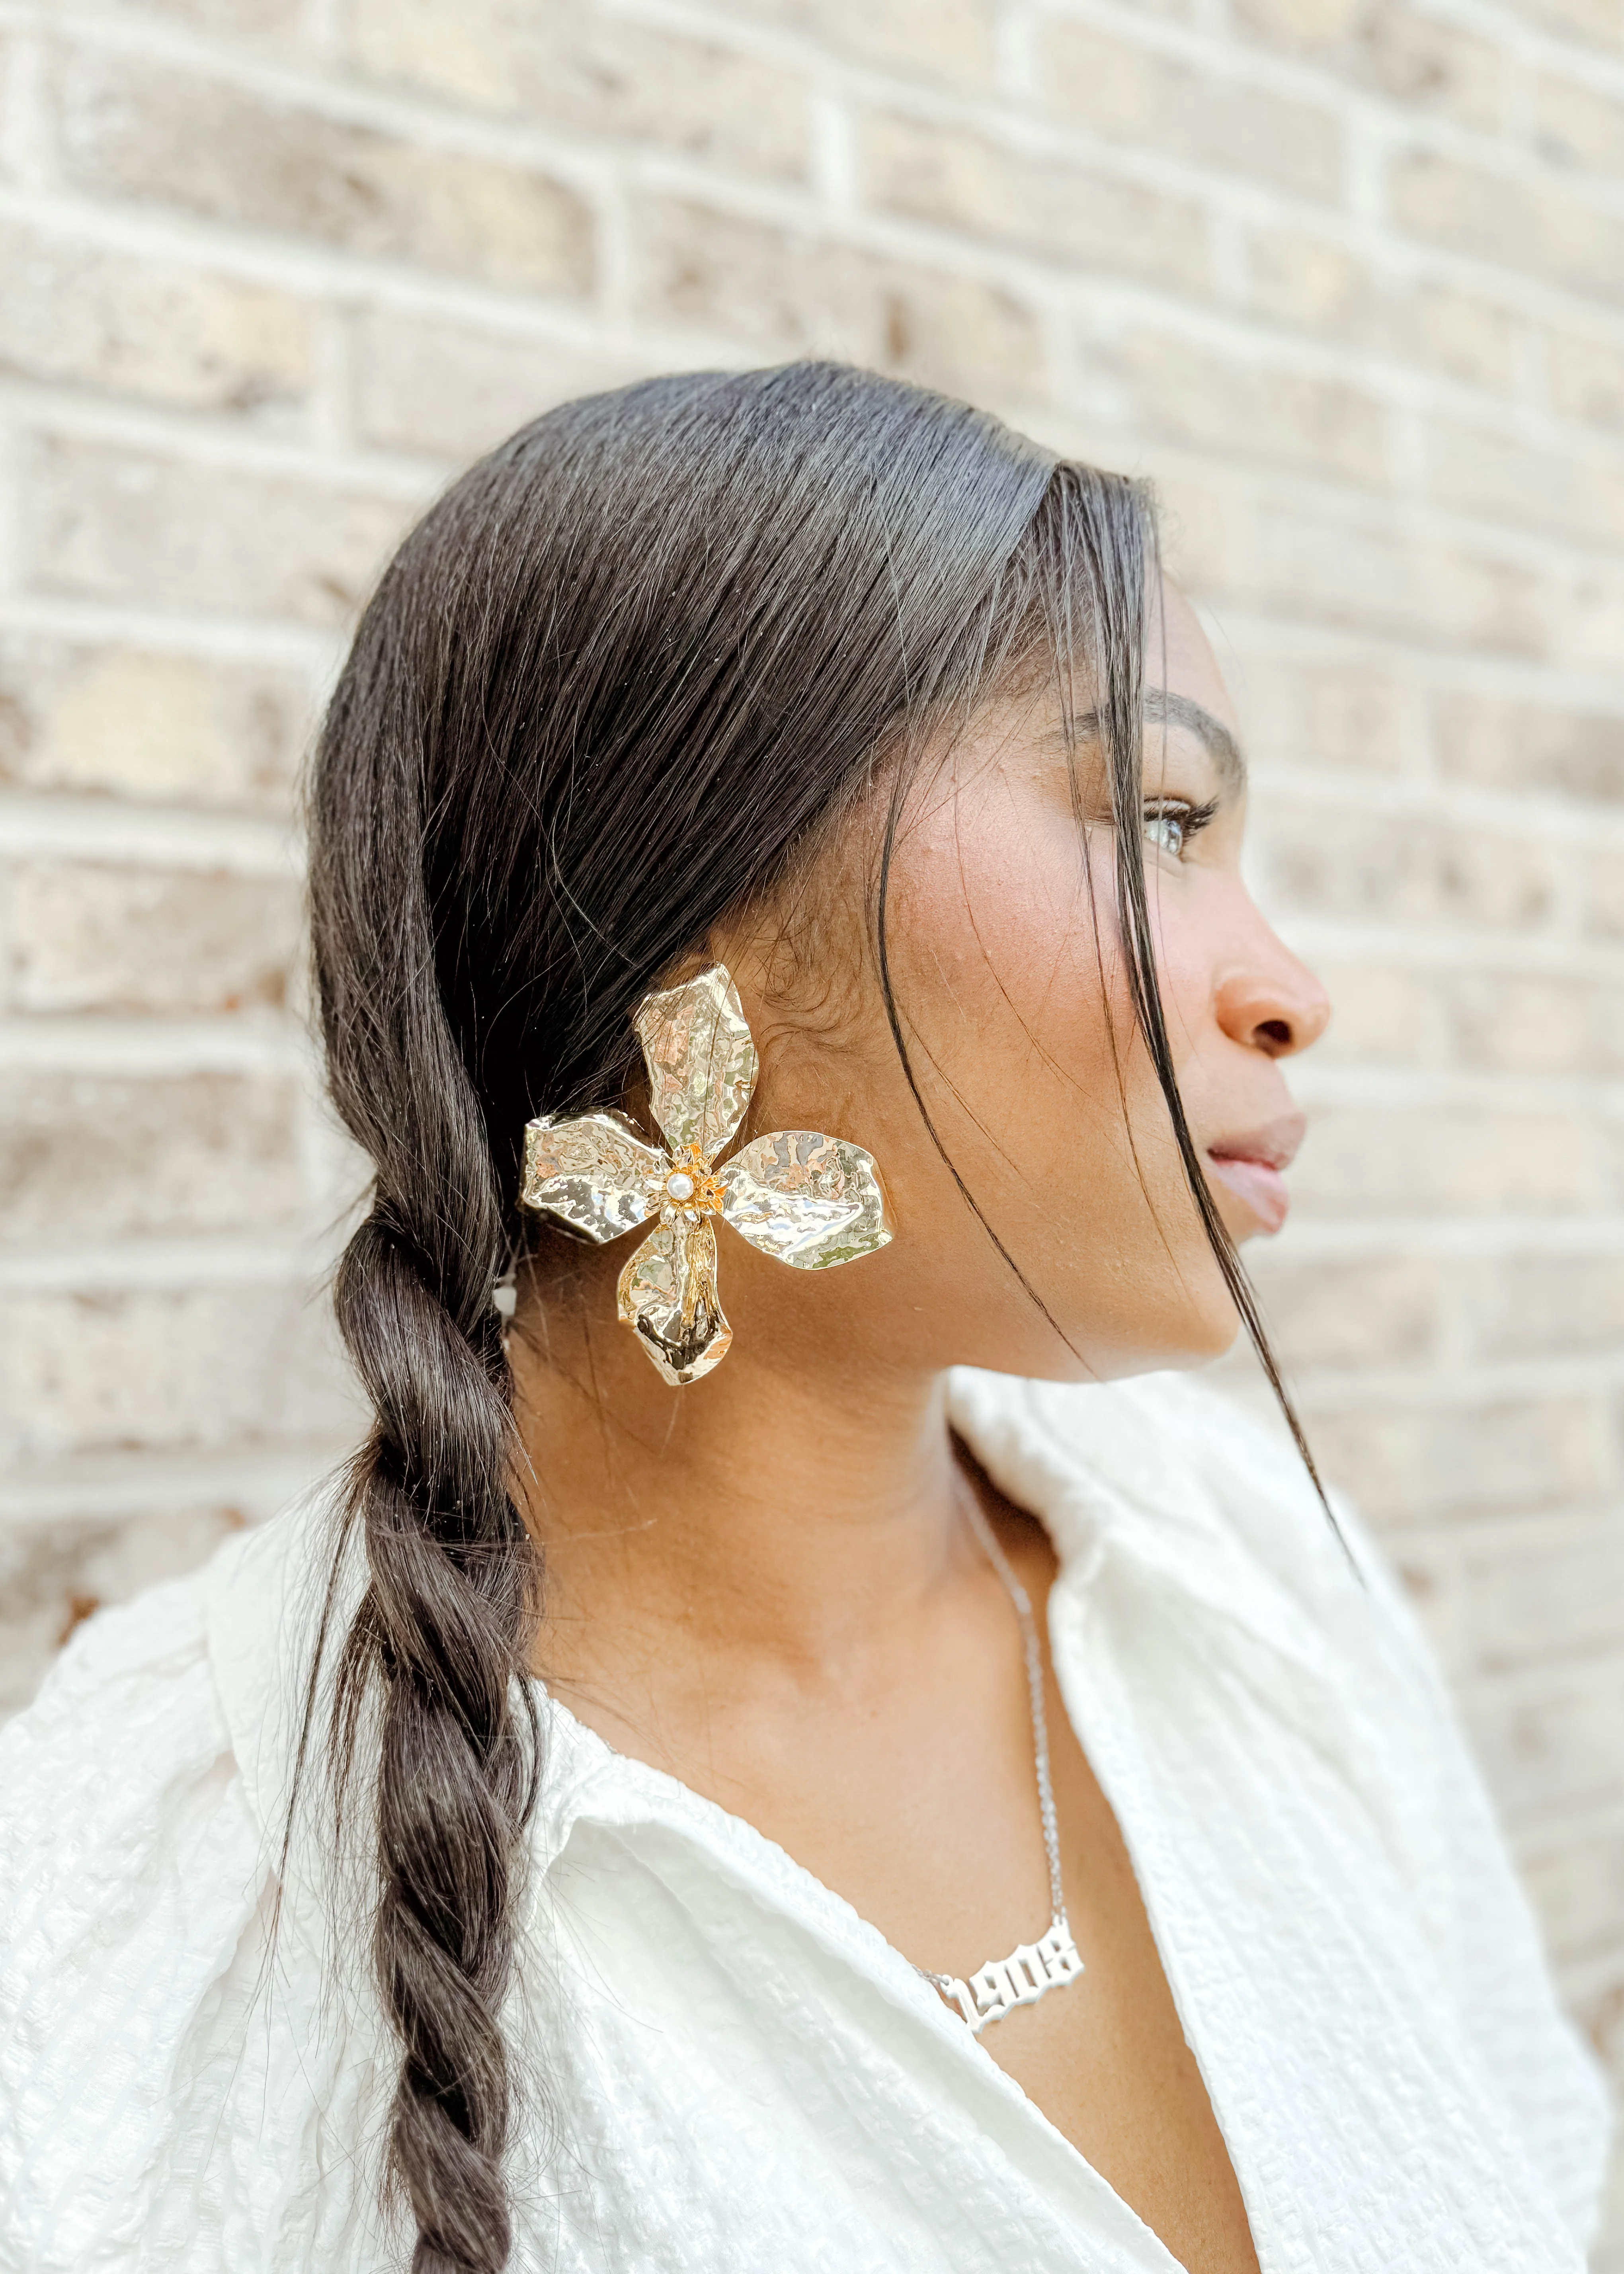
(440, 1636)
(618, 682)
(442, 1625)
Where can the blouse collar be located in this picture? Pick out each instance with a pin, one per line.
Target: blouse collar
(1125, 1494)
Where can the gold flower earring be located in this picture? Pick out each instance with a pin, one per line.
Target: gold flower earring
(809, 1200)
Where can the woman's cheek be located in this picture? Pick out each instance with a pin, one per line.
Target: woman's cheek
(1034, 996)
(1032, 904)
(1182, 928)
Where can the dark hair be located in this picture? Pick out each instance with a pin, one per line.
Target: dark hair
(618, 682)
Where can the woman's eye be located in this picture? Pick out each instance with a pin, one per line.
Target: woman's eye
(1171, 828)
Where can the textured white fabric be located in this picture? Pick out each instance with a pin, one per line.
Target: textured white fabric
(742, 2076)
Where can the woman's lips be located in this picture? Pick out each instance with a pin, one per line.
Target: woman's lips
(1253, 1167)
(1262, 1188)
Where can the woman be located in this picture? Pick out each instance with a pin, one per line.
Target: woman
(589, 1836)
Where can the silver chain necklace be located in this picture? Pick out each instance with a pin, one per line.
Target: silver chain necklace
(1031, 1969)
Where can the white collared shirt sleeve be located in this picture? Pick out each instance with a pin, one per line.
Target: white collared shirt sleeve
(1484, 1930)
(133, 1890)
(1481, 1924)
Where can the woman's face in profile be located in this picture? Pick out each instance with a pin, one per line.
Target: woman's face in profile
(1014, 1003)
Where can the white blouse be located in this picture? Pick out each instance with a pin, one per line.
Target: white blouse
(726, 2070)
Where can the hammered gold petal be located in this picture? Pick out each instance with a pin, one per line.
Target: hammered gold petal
(700, 1060)
(667, 1297)
(594, 1173)
(809, 1200)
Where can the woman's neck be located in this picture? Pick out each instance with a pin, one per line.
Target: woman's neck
(795, 1507)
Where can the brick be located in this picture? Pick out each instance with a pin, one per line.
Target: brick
(1522, 1024)
(1417, 1161)
(1367, 1311)
(1543, 233)
(788, 293)
(1602, 883)
(1585, 377)
(1414, 59)
(427, 385)
(1585, 599)
(1610, 1038)
(1309, 283)
(1548, 1306)
(1552, 1745)
(1421, 868)
(75, 316)
(1545, 1600)
(1478, 472)
(1333, 716)
(1578, 1891)
(53, 1575)
(190, 1369)
(1287, 418)
(1579, 125)
(1407, 56)
(1458, 333)
(954, 178)
(1318, 287)
(953, 37)
(89, 1155)
(125, 722)
(107, 524)
(1496, 744)
(1381, 1014)
(1598, 2009)
(569, 68)
(1608, 1030)
(1115, 87)
(1367, 576)
(1424, 1576)
(239, 19)
(1301, 24)
(1402, 1462)
(1196, 529)
(155, 134)
(13, 101)
(1600, 22)
(89, 935)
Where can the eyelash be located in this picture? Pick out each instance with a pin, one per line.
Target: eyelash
(1189, 819)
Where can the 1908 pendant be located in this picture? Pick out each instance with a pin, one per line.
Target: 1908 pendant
(1030, 1972)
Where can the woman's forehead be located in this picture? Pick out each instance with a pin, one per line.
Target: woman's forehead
(1179, 658)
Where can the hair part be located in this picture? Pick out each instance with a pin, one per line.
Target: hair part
(692, 615)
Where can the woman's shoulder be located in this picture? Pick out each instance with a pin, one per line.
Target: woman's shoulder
(138, 1890)
(1209, 1513)
(1168, 1459)
(1203, 1513)
(147, 1706)
(126, 1725)
(127, 1873)
(160, 1743)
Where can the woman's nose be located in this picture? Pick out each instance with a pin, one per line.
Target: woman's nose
(1272, 1002)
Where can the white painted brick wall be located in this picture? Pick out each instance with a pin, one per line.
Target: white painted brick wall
(1347, 276)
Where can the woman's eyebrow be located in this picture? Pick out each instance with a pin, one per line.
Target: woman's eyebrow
(1164, 709)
